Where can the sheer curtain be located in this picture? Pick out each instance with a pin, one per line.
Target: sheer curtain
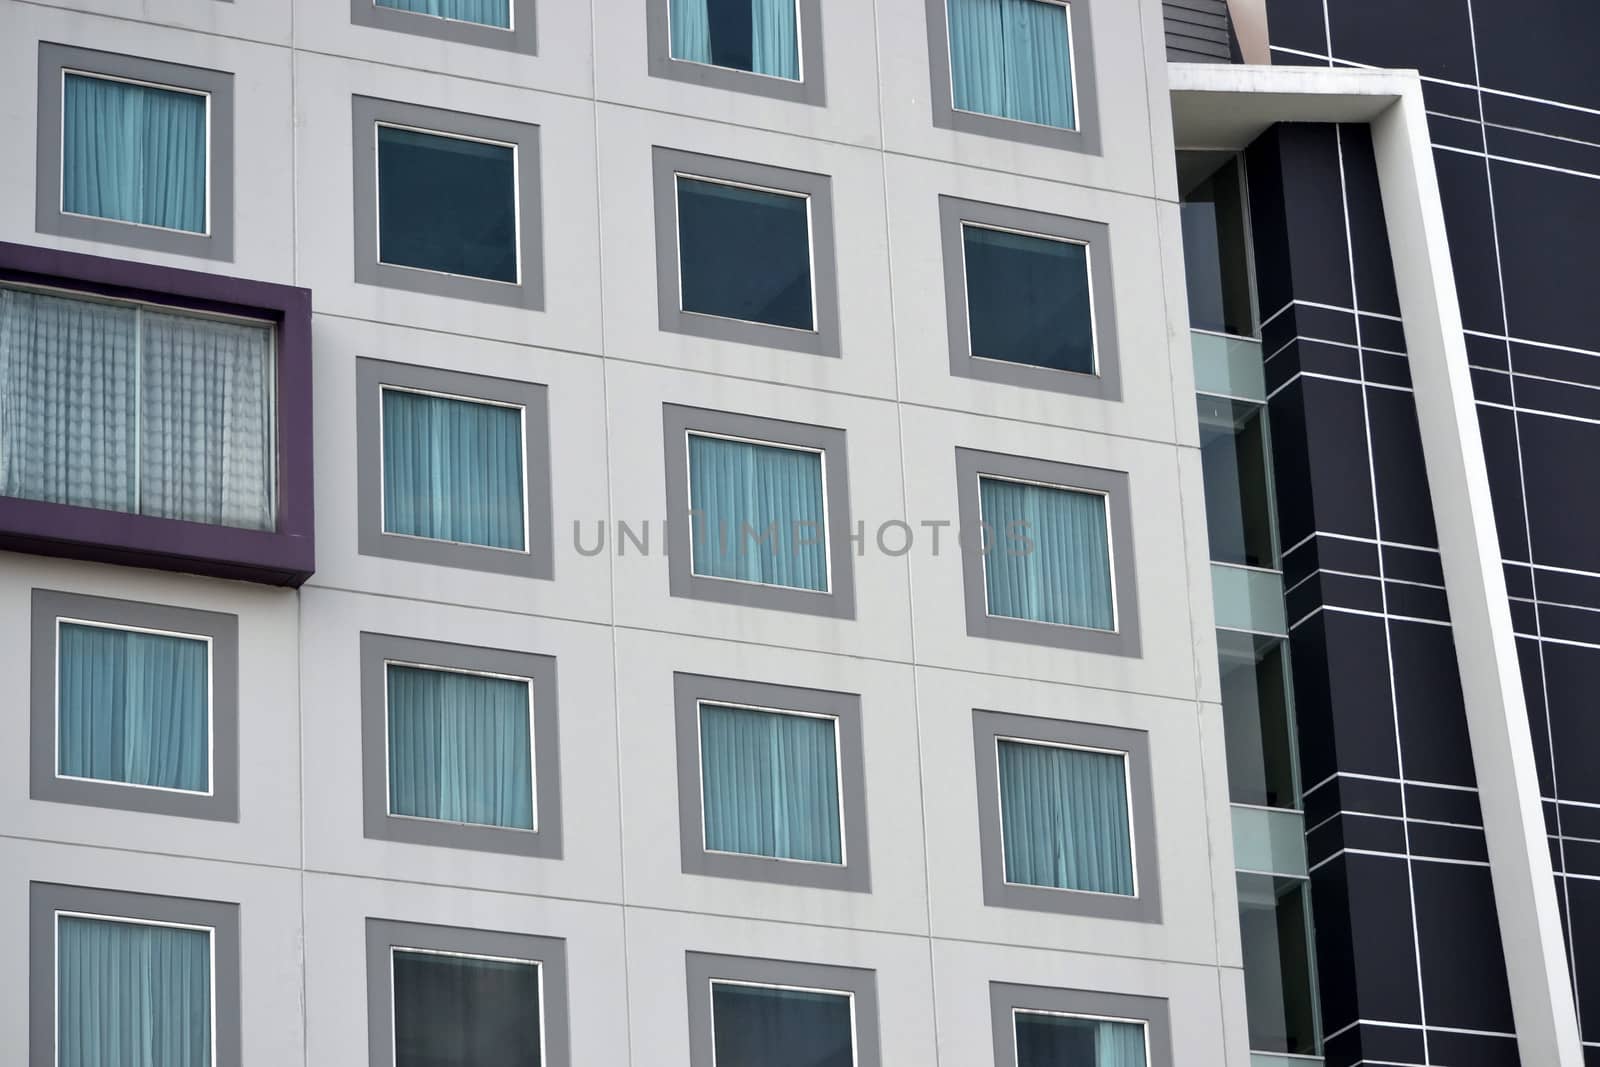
(132, 995)
(762, 36)
(770, 784)
(134, 153)
(133, 707)
(755, 1026)
(1066, 577)
(1072, 1041)
(483, 12)
(1012, 58)
(738, 492)
(690, 24)
(774, 38)
(1064, 818)
(460, 748)
(452, 470)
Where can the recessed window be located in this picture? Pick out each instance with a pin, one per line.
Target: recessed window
(459, 746)
(766, 48)
(765, 1013)
(755, 510)
(507, 25)
(1035, 1026)
(1065, 820)
(482, 12)
(1045, 1039)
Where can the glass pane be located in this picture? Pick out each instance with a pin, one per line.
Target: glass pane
(484, 12)
(134, 153)
(1064, 818)
(1067, 1041)
(1247, 599)
(770, 784)
(1257, 723)
(133, 707)
(452, 470)
(1048, 558)
(455, 1011)
(1028, 299)
(1215, 245)
(745, 253)
(1238, 482)
(1280, 1001)
(131, 994)
(758, 513)
(754, 35)
(1013, 59)
(1228, 366)
(447, 204)
(1268, 841)
(460, 747)
(754, 1026)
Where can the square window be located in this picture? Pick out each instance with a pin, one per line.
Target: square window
(755, 508)
(439, 996)
(770, 784)
(447, 203)
(1055, 564)
(1029, 298)
(1015, 69)
(1041, 1027)
(745, 253)
(134, 706)
(504, 24)
(482, 12)
(776, 1014)
(135, 152)
(131, 978)
(454, 469)
(1045, 1039)
(769, 48)
(1065, 822)
(459, 746)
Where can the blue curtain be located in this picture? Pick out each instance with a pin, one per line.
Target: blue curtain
(741, 492)
(133, 153)
(755, 1026)
(1068, 1041)
(483, 12)
(769, 784)
(133, 707)
(690, 24)
(1012, 58)
(452, 470)
(1066, 576)
(130, 995)
(775, 36)
(755, 35)
(1064, 817)
(459, 747)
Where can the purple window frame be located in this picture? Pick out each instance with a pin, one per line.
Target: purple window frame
(281, 556)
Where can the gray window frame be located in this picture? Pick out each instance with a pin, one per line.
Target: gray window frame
(221, 803)
(1006, 999)
(383, 936)
(973, 464)
(988, 729)
(521, 37)
(678, 421)
(692, 690)
(823, 340)
(1084, 140)
(367, 113)
(377, 651)
(810, 88)
(217, 242)
(45, 899)
(704, 968)
(954, 215)
(537, 558)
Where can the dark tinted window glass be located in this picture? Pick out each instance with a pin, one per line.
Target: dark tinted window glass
(759, 1027)
(744, 253)
(1256, 714)
(446, 204)
(1064, 1041)
(1233, 458)
(450, 1011)
(1277, 964)
(1216, 261)
(1028, 300)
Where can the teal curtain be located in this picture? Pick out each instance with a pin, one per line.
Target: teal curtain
(770, 784)
(133, 707)
(131, 995)
(1064, 818)
(1071, 1041)
(1065, 576)
(460, 747)
(484, 12)
(775, 38)
(690, 24)
(762, 36)
(754, 507)
(1013, 59)
(452, 470)
(133, 153)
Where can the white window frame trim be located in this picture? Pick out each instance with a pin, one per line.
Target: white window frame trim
(1072, 60)
(847, 994)
(1142, 1024)
(1111, 550)
(509, 27)
(1088, 278)
(539, 976)
(799, 51)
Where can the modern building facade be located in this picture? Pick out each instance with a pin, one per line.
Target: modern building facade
(731, 532)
